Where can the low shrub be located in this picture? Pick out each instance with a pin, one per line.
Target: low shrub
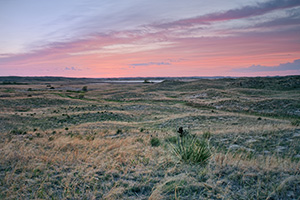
(84, 89)
(18, 132)
(191, 149)
(155, 142)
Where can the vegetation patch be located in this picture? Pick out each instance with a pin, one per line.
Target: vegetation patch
(238, 140)
(191, 149)
(155, 142)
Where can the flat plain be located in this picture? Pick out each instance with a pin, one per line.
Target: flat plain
(66, 138)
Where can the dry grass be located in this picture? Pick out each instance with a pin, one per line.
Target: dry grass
(54, 145)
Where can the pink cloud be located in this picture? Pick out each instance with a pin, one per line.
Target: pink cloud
(203, 56)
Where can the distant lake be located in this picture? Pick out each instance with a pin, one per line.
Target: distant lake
(132, 81)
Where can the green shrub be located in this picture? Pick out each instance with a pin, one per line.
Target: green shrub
(191, 149)
(84, 89)
(155, 142)
(18, 132)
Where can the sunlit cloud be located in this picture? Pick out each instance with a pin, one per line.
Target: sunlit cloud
(126, 48)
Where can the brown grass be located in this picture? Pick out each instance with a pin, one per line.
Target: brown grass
(252, 158)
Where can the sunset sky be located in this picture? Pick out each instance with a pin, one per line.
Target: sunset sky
(142, 38)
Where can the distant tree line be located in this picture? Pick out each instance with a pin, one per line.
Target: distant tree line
(12, 83)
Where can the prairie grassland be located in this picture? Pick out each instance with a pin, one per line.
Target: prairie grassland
(59, 142)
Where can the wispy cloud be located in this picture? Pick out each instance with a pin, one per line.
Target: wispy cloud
(72, 69)
(246, 11)
(281, 67)
(126, 48)
(288, 18)
(150, 63)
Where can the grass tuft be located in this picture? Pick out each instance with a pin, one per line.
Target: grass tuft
(191, 149)
(155, 142)
(206, 135)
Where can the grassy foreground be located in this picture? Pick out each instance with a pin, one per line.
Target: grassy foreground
(59, 140)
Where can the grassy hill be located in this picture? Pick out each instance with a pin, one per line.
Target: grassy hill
(117, 140)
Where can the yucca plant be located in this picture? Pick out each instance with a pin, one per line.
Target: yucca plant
(191, 149)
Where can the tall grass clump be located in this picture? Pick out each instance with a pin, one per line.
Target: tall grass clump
(155, 142)
(191, 149)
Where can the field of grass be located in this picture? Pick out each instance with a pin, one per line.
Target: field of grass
(117, 140)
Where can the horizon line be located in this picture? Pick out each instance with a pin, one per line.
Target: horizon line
(147, 77)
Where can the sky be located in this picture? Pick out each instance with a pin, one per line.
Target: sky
(142, 38)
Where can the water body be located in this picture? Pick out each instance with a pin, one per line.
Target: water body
(132, 81)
